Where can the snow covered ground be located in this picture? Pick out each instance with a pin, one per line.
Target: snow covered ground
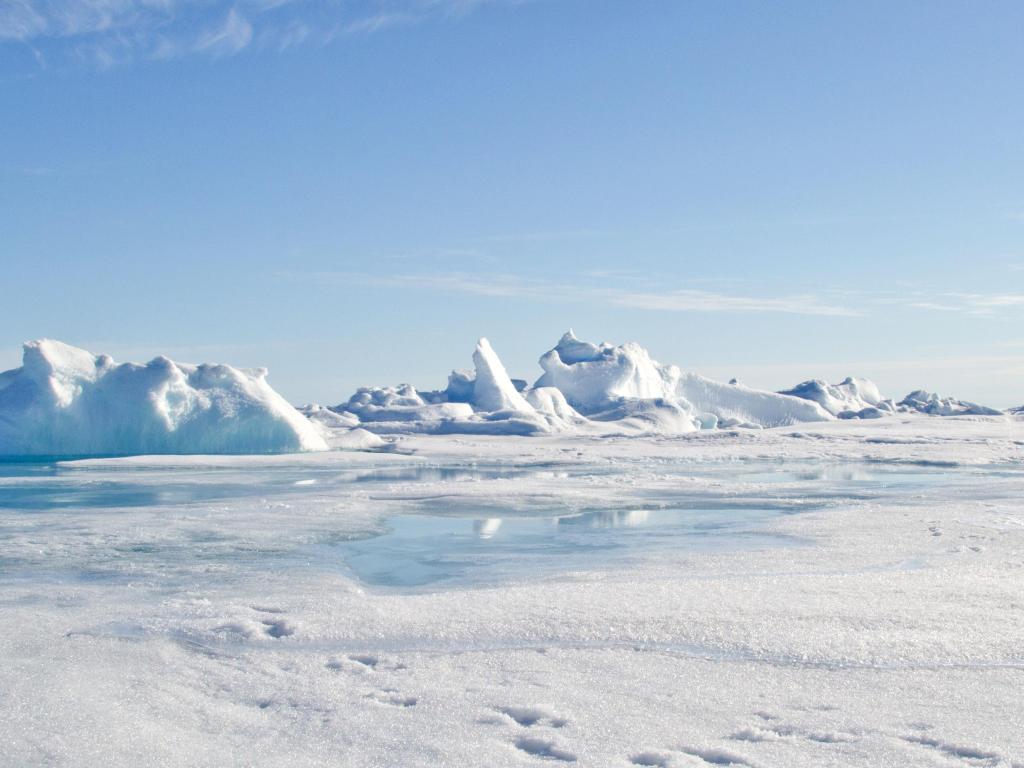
(834, 593)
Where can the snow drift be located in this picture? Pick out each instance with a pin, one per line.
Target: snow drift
(66, 401)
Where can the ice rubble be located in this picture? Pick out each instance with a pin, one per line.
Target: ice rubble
(598, 388)
(930, 403)
(616, 389)
(66, 401)
(851, 398)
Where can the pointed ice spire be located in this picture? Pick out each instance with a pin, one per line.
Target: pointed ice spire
(493, 389)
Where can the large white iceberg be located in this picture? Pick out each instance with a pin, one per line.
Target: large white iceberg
(595, 377)
(64, 401)
(622, 382)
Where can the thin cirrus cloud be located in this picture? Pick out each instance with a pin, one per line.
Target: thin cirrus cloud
(105, 33)
(980, 304)
(627, 290)
(513, 286)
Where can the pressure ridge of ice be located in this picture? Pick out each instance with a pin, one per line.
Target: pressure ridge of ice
(66, 401)
(617, 389)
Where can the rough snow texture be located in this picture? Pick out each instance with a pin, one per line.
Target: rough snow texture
(880, 626)
(66, 401)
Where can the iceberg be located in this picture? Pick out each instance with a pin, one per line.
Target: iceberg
(735, 405)
(493, 390)
(606, 382)
(65, 401)
(482, 401)
(931, 404)
(596, 377)
(401, 404)
(852, 398)
(594, 388)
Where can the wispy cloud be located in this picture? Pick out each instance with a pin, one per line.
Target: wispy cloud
(637, 290)
(229, 37)
(623, 295)
(979, 304)
(105, 33)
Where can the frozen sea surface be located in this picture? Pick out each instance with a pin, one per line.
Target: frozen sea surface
(849, 595)
(432, 541)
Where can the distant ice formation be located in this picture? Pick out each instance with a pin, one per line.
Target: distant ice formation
(860, 399)
(68, 402)
(933, 405)
(852, 398)
(593, 388)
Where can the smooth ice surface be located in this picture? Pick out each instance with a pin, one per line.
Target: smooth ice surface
(837, 593)
(66, 401)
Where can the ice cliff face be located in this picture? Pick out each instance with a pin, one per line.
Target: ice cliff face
(66, 401)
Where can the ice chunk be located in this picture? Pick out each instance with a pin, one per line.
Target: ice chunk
(357, 440)
(735, 404)
(607, 383)
(460, 386)
(658, 415)
(329, 418)
(66, 401)
(930, 403)
(551, 402)
(848, 399)
(401, 403)
(594, 378)
(493, 389)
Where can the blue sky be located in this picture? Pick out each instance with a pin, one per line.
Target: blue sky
(351, 192)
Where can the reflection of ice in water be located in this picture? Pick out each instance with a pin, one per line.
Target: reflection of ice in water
(629, 518)
(486, 528)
